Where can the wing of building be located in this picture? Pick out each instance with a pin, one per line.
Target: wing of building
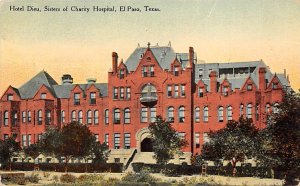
(195, 97)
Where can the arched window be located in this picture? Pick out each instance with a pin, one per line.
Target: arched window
(268, 108)
(73, 115)
(126, 115)
(241, 110)
(48, 117)
(149, 90)
(89, 117)
(40, 117)
(106, 118)
(205, 114)
(63, 116)
(5, 118)
(221, 114)
(229, 113)
(96, 117)
(197, 114)
(181, 111)
(170, 114)
(80, 118)
(117, 116)
(249, 110)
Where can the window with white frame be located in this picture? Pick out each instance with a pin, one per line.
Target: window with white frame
(73, 115)
(176, 91)
(40, 117)
(229, 113)
(43, 95)
(275, 108)
(126, 115)
(24, 140)
(205, 114)
(144, 114)
(176, 71)
(29, 139)
(171, 114)
(5, 118)
(89, 117)
(76, 98)
(127, 140)
(121, 73)
(200, 91)
(63, 117)
(220, 114)
(122, 93)
(152, 71)
(182, 91)
(128, 93)
(249, 110)
(117, 115)
(29, 116)
(197, 139)
(169, 90)
(48, 117)
(152, 114)
(145, 71)
(106, 117)
(80, 116)
(197, 114)
(96, 117)
(117, 140)
(10, 97)
(93, 98)
(115, 93)
(24, 116)
(181, 114)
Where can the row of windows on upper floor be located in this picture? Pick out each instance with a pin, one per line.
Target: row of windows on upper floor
(26, 117)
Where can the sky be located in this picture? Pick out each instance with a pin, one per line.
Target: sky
(81, 43)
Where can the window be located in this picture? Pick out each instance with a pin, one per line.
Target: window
(117, 140)
(197, 114)
(205, 114)
(117, 116)
(148, 91)
(115, 93)
(48, 117)
(205, 138)
(197, 139)
(10, 97)
(93, 98)
(249, 87)
(220, 114)
(40, 137)
(182, 91)
(97, 137)
(127, 140)
(63, 116)
(29, 139)
(128, 93)
(176, 90)
(43, 95)
(5, 118)
(268, 108)
(169, 89)
(80, 117)
(152, 71)
(127, 115)
(181, 135)
(171, 114)
(200, 91)
(121, 73)
(73, 115)
(249, 110)
(225, 91)
(89, 117)
(121, 92)
(5, 136)
(145, 71)
(24, 116)
(96, 117)
(275, 108)
(106, 119)
(181, 114)
(152, 115)
(176, 71)
(200, 73)
(76, 99)
(15, 118)
(24, 141)
(229, 113)
(40, 117)
(29, 116)
(144, 114)
(274, 86)
(241, 110)
(106, 137)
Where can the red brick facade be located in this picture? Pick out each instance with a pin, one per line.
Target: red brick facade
(131, 99)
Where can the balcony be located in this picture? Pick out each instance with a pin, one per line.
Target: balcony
(148, 97)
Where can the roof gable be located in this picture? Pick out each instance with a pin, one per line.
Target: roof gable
(44, 89)
(249, 81)
(11, 90)
(274, 80)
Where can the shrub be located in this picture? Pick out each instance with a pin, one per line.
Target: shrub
(18, 180)
(139, 177)
(68, 178)
(33, 178)
(55, 178)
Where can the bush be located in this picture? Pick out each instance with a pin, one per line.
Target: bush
(68, 178)
(33, 178)
(18, 180)
(139, 177)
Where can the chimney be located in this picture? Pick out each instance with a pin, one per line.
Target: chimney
(114, 62)
(284, 72)
(213, 81)
(66, 79)
(91, 80)
(262, 78)
(191, 57)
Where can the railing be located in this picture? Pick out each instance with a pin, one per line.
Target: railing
(130, 159)
(148, 97)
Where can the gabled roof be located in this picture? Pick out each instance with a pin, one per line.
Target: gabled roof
(29, 89)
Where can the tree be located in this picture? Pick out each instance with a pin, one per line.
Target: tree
(281, 138)
(100, 152)
(238, 140)
(32, 151)
(166, 142)
(72, 141)
(8, 149)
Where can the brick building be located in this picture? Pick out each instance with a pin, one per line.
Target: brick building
(195, 97)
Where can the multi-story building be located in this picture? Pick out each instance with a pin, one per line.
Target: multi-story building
(195, 97)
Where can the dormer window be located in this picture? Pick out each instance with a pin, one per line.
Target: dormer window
(10, 97)
(249, 87)
(145, 71)
(93, 98)
(225, 91)
(43, 95)
(77, 99)
(275, 86)
(176, 71)
(121, 73)
(200, 92)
